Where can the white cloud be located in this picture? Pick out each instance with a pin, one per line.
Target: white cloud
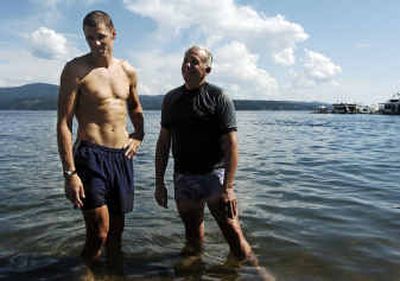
(237, 69)
(317, 70)
(47, 44)
(285, 57)
(244, 41)
(157, 72)
(319, 67)
(19, 67)
(221, 20)
(219, 23)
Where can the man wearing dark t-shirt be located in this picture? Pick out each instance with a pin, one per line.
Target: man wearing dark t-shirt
(198, 120)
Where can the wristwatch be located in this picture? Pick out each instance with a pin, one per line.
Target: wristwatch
(69, 173)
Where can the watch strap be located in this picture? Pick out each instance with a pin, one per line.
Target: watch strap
(69, 173)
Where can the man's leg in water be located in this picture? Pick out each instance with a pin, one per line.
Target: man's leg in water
(113, 243)
(97, 227)
(192, 215)
(231, 229)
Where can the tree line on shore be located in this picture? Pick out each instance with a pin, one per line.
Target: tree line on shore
(42, 96)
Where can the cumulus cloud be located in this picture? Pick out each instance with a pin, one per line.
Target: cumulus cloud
(239, 35)
(19, 67)
(221, 20)
(48, 44)
(319, 67)
(317, 70)
(237, 68)
(244, 41)
(285, 57)
(158, 71)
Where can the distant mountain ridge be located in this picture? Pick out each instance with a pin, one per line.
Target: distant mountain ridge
(42, 96)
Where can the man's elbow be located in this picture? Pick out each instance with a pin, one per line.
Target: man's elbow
(230, 140)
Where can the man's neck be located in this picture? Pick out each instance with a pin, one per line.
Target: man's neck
(105, 61)
(196, 86)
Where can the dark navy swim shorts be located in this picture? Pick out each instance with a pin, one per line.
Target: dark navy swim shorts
(107, 177)
(198, 187)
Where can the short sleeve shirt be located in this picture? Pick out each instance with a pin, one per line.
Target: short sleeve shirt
(197, 119)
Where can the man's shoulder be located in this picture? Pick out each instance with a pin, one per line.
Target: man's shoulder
(126, 66)
(217, 92)
(129, 70)
(212, 88)
(78, 61)
(174, 93)
(76, 66)
(171, 96)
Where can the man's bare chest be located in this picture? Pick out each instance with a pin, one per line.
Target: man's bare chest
(100, 84)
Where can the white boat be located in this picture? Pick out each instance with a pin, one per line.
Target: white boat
(364, 109)
(392, 106)
(344, 108)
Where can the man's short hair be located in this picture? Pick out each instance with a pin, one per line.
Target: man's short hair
(209, 56)
(97, 17)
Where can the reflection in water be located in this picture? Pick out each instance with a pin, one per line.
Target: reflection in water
(168, 267)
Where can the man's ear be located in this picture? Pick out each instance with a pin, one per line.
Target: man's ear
(208, 69)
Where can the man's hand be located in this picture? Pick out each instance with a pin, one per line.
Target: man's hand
(132, 146)
(229, 200)
(228, 195)
(161, 195)
(74, 191)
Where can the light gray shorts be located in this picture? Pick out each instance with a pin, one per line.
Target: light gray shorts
(198, 187)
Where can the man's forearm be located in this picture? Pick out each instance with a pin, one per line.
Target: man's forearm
(138, 123)
(230, 148)
(162, 155)
(64, 139)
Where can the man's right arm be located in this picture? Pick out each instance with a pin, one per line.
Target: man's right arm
(162, 155)
(68, 92)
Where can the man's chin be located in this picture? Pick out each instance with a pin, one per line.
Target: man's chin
(99, 54)
(190, 79)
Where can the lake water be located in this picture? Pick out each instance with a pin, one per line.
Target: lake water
(319, 199)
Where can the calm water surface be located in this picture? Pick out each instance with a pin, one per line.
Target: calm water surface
(319, 200)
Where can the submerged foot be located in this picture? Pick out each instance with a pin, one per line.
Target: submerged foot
(191, 251)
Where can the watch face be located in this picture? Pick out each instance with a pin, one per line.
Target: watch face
(69, 173)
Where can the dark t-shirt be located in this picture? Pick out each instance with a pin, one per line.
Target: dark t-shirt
(197, 119)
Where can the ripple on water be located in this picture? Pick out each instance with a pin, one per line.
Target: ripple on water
(318, 200)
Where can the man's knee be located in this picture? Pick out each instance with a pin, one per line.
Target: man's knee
(117, 224)
(99, 233)
(102, 237)
(191, 211)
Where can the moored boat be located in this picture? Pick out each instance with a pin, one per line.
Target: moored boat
(344, 108)
(391, 106)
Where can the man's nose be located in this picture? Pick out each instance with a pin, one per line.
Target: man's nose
(97, 42)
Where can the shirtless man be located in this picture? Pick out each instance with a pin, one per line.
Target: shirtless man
(101, 92)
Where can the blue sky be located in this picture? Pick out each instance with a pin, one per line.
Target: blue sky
(312, 50)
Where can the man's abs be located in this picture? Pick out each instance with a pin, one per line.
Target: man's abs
(103, 134)
(102, 119)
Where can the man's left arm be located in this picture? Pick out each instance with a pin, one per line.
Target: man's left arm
(135, 112)
(230, 149)
(231, 156)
